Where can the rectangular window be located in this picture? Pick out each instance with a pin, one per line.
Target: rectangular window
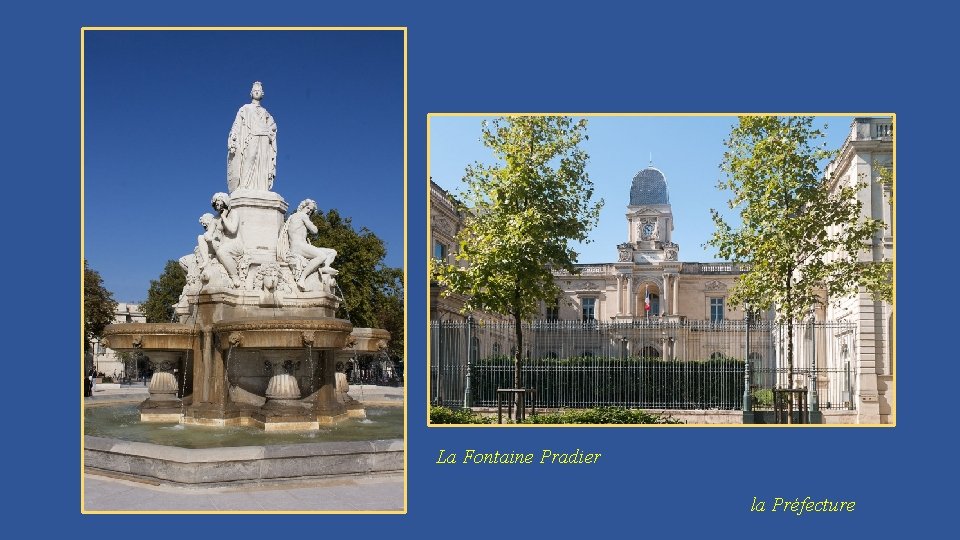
(588, 306)
(716, 309)
(439, 251)
(553, 313)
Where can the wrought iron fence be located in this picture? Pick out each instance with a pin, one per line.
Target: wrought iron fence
(378, 370)
(648, 364)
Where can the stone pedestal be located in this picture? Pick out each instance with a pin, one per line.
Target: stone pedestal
(163, 405)
(260, 215)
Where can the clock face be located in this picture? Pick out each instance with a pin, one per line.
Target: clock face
(647, 229)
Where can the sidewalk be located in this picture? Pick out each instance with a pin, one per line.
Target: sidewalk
(367, 493)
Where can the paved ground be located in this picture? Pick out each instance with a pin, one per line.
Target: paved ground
(381, 492)
(366, 493)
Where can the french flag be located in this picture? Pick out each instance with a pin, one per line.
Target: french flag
(646, 299)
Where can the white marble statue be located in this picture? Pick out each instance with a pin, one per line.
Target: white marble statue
(293, 242)
(252, 146)
(222, 238)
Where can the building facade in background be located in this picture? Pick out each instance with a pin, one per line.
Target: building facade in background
(106, 360)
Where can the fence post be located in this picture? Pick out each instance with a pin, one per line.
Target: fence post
(468, 390)
(813, 401)
(440, 348)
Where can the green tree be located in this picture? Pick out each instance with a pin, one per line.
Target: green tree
(164, 292)
(99, 306)
(372, 291)
(521, 215)
(800, 238)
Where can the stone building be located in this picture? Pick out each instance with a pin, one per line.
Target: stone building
(867, 150)
(648, 281)
(105, 360)
(445, 223)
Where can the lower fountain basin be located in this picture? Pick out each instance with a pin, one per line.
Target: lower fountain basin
(117, 443)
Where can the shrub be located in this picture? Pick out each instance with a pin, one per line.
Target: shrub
(601, 415)
(443, 415)
(763, 397)
(632, 381)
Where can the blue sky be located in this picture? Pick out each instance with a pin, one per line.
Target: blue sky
(159, 106)
(687, 149)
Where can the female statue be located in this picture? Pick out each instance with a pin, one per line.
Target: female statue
(252, 146)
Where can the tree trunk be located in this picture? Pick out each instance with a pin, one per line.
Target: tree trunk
(789, 332)
(518, 362)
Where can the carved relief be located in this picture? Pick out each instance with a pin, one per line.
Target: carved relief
(671, 251)
(270, 282)
(444, 226)
(715, 285)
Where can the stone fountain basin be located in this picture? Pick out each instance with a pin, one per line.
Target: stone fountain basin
(368, 340)
(327, 333)
(238, 465)
(150, 336)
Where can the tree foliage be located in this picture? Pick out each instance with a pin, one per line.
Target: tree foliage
(521, 214)
(372, 291)
(98, 305)
(801, 238)
(164, 292)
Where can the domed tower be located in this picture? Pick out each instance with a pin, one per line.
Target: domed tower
(649, 220)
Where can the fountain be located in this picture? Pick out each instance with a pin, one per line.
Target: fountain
(256, 335)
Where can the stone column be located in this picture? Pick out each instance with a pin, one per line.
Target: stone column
(630, 295)
(665, 296)
(619, 294)
(676, 294)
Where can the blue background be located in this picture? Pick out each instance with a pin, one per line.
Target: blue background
(508, 56)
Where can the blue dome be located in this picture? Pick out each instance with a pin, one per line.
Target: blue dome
(649, 187)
